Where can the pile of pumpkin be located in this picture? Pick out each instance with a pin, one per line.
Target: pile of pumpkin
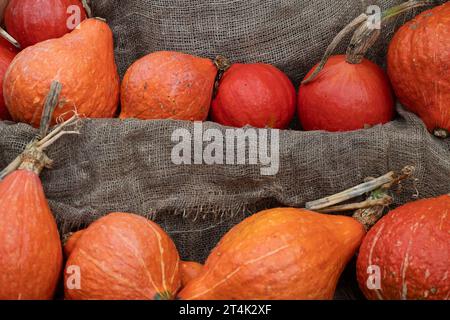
(349, 93)
(282, 253)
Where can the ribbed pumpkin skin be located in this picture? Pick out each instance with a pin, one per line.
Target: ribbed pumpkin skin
(33, 21)
(278, 254)
(82, 61)
(6, 57)
(168, 85)
(259, 95)
(419, 66)
(411, 246)
(189, 271)
(123, 256)
(346, 97)
(30, 247)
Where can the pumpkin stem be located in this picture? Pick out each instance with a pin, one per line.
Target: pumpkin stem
(87, 8)
(441, 133)
(367, 33)
(222, 64)
(9, 38)
(371, 210)
(341, 35)
(364, 37)
(33, 158)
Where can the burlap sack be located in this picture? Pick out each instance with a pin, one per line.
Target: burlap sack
(290, 34)
(127, 166)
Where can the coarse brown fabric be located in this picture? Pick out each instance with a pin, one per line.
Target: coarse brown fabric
(126, 166)
(290, 34)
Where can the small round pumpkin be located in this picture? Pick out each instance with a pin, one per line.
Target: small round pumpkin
(346, 96)
(259, 95)
(406, 254)
(31, 21)
(168, 85)
(419, 67)
(123, 256)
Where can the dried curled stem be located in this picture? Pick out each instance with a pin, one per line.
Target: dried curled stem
(385, 182)
(33, 157)
(367, 212)
(222, 64)
(87, 7)
(365, 35)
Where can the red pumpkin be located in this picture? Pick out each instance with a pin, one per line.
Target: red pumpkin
(8, 45)
(419, 67)
(168, 85)
(123, 256)
(259, 95)
(30, 247)
(6, 57)
(33, 21)
(410, 248)
(346, 96)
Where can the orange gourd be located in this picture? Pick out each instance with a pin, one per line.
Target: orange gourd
(30, 247)
(419, 64)
(71, 241)
(123, 256)
(82, 61)
(406, 255)
(189, 271)
(168, 85)
(278, 254)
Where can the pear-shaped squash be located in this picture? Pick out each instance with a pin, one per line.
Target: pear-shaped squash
(168, 85)
(278, 254)
(82, 61)
(123, 256)
(30, 249)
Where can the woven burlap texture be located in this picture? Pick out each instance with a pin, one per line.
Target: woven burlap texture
(116, 165)
(290, 34)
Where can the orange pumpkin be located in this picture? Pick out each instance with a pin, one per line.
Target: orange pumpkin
(30, 247)
(82, 61)
(71, 242)
(419, 66)
(406, 255)
(168, 85)
(278, 254)
(189, 271)
(123, 256)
